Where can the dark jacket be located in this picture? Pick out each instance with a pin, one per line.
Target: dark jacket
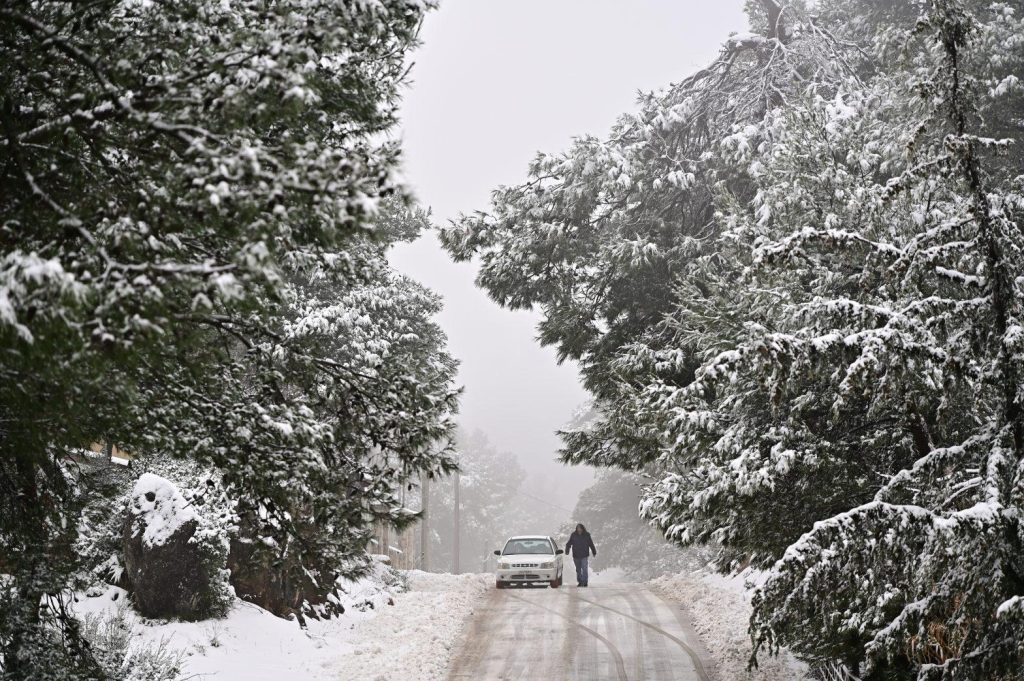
(580, 545)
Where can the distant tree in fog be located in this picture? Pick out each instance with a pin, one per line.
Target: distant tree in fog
(609, 510)
(489, 481)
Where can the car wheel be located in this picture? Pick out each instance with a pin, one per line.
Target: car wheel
(498, 584)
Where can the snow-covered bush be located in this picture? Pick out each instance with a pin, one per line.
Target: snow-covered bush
(98, 544)
(373, 588)
(111, 634)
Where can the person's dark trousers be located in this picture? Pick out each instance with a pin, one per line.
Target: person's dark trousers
(581, 570)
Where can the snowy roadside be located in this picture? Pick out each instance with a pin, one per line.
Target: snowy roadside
(414, 639)
(719, 608)
(383, 634)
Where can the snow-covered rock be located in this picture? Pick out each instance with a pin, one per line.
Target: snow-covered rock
(159, 508)
(171, 574)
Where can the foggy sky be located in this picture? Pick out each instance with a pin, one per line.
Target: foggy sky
(495, 82)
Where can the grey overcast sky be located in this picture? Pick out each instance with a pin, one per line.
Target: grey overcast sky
(494, 82)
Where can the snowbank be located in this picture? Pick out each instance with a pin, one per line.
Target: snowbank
(249, 643)
(719, 608)
(383, 634)
(414, 639)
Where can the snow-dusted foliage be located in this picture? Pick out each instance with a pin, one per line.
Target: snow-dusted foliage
(599, 234)
(192, 265)
(802, 305)
(921, 326)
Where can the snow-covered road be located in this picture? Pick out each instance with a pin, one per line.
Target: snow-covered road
(619, 632)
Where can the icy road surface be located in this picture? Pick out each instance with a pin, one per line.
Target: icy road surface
(616, 632)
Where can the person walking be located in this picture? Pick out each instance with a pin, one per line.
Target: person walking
(579, 547)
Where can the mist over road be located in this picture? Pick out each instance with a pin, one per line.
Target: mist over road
(617, 632)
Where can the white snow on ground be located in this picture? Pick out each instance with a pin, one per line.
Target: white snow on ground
(249, 643)
(414, 640)
(607, 575)
(403, 636)
(719, 608)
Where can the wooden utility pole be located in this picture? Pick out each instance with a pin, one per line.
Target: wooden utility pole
(424, 519)
(455, 545)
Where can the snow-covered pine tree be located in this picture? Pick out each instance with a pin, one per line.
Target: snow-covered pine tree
(842, 333)
(923, 580)
(601, 236)
(598, 235)
(190, 226)
(360, 365)
(845, 343)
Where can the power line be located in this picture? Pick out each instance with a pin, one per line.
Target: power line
(543, 501)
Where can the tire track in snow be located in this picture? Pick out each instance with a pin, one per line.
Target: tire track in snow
(620, 665)
(694, 657)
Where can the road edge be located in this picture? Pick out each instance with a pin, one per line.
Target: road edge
(685, 619)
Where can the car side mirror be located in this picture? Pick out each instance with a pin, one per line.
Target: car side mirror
(497, 552)
(559, 552)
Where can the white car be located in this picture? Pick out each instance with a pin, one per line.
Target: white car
(529, 559)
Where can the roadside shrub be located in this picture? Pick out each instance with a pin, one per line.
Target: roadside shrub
(111, 636)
